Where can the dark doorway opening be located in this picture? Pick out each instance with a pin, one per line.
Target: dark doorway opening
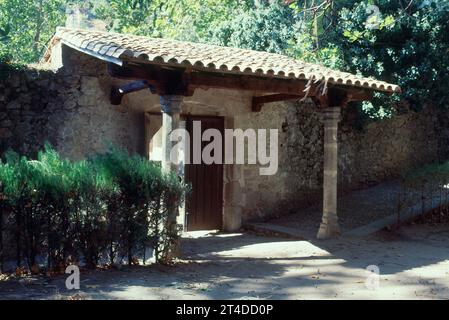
(204, 205)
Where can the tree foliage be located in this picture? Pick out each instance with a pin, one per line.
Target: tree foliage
(26, 26)
(408, 46)
(399, 41)
(267, 28)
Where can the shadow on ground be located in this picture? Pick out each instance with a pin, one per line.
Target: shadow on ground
(413, 264)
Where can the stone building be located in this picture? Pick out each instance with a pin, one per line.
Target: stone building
(133, 91)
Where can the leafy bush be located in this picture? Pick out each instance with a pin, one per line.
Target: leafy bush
(111, 206)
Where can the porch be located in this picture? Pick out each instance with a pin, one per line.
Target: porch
(175, 71)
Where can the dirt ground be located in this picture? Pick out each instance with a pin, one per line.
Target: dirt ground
(413, 264)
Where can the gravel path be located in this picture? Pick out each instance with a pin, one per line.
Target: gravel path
(414, 264)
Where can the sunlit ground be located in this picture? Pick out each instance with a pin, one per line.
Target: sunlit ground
(412, 265)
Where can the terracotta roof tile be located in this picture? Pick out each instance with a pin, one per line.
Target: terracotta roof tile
(209, 57)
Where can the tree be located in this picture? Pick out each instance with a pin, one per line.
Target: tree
(26, 26)
(400, 41)
(408, 45)
(192, 20)
(268, 27)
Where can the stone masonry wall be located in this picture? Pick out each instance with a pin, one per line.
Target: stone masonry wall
(70, 109)
(378, 152)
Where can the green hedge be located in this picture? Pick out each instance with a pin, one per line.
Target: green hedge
(108, 207)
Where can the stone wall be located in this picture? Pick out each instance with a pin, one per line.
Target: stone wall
(70, 108)
(379, 151)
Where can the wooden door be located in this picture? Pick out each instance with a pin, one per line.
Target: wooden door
(204, 205)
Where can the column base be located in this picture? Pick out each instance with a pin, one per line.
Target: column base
(328, 230)
(232, 218)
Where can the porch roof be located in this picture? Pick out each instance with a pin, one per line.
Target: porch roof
(119, 48)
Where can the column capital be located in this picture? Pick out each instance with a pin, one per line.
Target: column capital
(331, 114)
(171, 104)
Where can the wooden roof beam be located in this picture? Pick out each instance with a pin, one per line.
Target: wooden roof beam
(183, 81)
(186, 80)
(117, 93)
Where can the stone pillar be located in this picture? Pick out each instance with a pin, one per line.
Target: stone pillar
(171, 110)
(233, 198)
(329, 227)
(182, 217)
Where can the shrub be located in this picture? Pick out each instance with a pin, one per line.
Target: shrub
(111, 206)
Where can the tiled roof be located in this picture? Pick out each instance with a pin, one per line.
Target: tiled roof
(122, 47)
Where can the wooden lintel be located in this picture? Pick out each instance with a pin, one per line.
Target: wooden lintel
(184, 80)
(248, 83)
(163, 79)
(259, 101)
(340, 96)
(359, 95)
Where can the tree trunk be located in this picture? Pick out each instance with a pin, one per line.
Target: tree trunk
(37, 35)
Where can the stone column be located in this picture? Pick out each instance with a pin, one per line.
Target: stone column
(234, 198)
(329, 227)
(182, 217)
(171, 110)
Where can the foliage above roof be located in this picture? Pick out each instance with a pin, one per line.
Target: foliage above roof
(123, 47)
